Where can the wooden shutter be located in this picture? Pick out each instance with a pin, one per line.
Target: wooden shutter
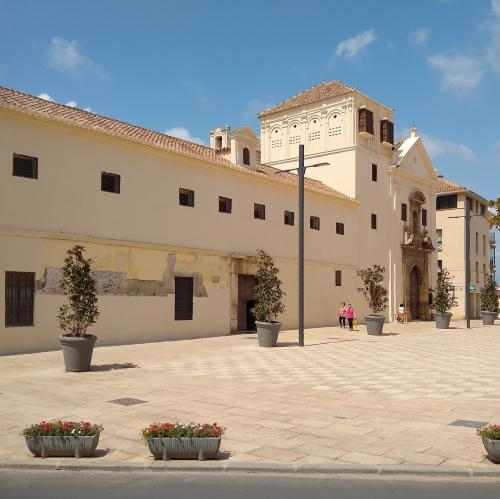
(365, 121)
(25, 166)
(183, 298)
(19, 298)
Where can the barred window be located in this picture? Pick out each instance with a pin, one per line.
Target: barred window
(404, 212)
(19, 298)
(338, 278)
(110, 182)
(339, 228)
(314, 223)
(374, 221)
(186, 197)
(289, 218)
(225, 205)
(259, 211)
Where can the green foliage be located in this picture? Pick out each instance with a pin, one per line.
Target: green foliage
(491, 431)
(444, 300)
(62, 429)
(495, 203)
(489, 298)
(268, 292)
(79, 286)
(373, 289)
(177, 430)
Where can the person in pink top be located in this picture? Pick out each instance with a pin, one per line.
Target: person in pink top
(342, 314)
(350, 314)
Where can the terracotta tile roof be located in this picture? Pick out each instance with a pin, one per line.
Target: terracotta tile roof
(28, 104)
(293, 179)
(33, 105)
(324, 90)
(444, 185)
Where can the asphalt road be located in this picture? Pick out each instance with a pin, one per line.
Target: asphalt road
(84, 484)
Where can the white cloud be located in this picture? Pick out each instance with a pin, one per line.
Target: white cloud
(459, 73)
(351, 47)
(255, 106)
(70, 103)
(439, 147)
(183, 133)
(419, 36)
(45, 96)
(65, 56)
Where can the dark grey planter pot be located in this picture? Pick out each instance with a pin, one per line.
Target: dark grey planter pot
(77, 352)
(374, 324)
(443, 320)
(493, 449)
(62, 446)
(184, 448)
(267, 333)
(488, 318)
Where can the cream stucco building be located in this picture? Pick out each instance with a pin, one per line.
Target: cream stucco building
(173, 226)
(450, 239)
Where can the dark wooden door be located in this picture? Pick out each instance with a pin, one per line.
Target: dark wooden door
(414, 294)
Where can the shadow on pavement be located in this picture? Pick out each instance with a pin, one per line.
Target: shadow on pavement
(112, 367)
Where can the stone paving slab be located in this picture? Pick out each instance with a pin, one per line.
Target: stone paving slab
(344, 399)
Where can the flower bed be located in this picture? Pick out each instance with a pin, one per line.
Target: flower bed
(62, 438)
(179, 441)
(491, 431)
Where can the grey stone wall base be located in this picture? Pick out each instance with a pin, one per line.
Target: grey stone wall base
(234, 467)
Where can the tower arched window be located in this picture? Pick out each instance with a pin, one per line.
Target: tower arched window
(246, 156)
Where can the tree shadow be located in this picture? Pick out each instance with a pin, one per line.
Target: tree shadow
(113, 367)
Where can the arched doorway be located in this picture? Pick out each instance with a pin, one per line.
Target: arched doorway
(414, 293)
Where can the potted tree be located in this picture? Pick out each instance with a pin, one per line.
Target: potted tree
(81, 312)
(489, 302)
(444, 300)
(376, 296)
(268, 300)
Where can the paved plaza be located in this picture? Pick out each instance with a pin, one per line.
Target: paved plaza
(343, 398)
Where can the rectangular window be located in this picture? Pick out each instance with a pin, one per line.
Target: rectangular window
(424, 217)
(338, 278)
(365, 121)
(186, 197)
(183, 298)
(477, 242)
(25, 166)
(110, 182)
(225, 205)
(259, 211)
(446, 202)
(440, 265)
(484, 245)
(387, 131)
(484, 272)
(374, 221)
(374, 172)
(439, 239)
(477, 272)
(19, 298)
(483, 209)
(339, 228)
(289, 218)
(314, 223)
(404, 212)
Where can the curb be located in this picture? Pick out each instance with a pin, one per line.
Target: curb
(228, 467)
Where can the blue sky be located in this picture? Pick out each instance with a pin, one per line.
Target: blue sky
(194, 65)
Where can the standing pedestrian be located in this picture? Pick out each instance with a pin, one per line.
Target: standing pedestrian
(342, 314)
(350, 316)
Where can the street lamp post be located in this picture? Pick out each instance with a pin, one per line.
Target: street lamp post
(301, 170)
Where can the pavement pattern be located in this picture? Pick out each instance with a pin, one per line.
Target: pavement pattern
(345, 397)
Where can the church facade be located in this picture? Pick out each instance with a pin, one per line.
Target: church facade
(173, 227)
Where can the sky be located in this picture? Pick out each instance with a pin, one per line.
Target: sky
(184, 67)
